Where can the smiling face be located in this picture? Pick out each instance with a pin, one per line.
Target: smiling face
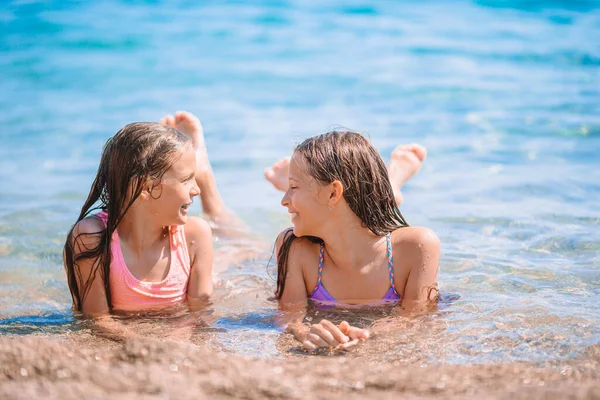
(306, 200)
(170, 200)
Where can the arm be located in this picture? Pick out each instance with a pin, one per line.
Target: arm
(94, 303)
(110, 328)
(86, 237)
(199, 240)
(294, 296)
(420, 249)
(294, 299)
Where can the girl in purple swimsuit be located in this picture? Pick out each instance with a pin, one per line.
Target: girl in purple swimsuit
(349, 244)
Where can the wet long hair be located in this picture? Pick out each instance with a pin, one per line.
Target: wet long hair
(138, 153)
(350, 158)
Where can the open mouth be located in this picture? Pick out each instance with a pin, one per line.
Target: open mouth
(185, 207)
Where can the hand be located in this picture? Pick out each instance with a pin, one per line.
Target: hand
(326, 334)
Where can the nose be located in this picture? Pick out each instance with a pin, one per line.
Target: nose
(285, 200)
(195, 191)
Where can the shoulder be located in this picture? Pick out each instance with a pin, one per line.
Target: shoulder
(415, 240)
(87, 232)
(90, 224)
(198, 235)
(298, 247)
(283, 235)
(197, 228)
(300, 257)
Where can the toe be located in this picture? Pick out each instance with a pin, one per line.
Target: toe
(282, 163)
(419, 151)
(168, 120)
(185, 116)
(414, 152)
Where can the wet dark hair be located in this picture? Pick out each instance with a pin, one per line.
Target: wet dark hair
(137, 153)
(350, 158)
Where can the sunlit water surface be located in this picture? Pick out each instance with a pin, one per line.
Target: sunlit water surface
(505, 95)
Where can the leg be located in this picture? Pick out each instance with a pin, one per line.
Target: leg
(405, 161)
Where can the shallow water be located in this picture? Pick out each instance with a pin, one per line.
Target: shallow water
(505, 95)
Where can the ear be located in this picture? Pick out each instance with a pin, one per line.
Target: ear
(147, 189)
(336, 194)
(145, 195)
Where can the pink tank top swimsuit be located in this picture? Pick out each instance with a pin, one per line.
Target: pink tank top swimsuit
(320, 294)
(130, 294)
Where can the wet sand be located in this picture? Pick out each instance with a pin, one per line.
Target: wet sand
(78, 366)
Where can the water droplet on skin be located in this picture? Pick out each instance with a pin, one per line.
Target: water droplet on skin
(63, 373)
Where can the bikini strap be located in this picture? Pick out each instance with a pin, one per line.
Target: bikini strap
(321, 259)
(390, 263)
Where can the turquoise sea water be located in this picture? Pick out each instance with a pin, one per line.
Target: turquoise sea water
(504, 94)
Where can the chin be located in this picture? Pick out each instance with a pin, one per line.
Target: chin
(299, 232)
(181, 220)
(296, 231)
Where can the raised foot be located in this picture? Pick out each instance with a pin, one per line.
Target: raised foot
(405, 161)
(278, 173)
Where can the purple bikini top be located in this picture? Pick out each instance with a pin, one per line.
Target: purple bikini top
(321, 294)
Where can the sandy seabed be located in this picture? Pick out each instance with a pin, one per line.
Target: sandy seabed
(77, 367)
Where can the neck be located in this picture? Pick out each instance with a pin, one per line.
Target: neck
(352, 246)
(140, 232)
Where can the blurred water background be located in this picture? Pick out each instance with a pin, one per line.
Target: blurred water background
(505, 94)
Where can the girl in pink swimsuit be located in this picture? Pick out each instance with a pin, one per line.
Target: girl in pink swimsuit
(134, 247)
(349, 245)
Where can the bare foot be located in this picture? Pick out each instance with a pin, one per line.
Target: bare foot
(187, 123)
(405, 161)
(278, 174)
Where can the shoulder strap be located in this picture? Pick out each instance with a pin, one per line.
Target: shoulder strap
(390, 263)
(321, 258)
